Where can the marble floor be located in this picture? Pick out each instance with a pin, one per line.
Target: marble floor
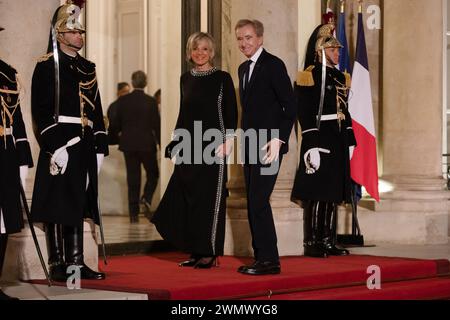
(119, 230)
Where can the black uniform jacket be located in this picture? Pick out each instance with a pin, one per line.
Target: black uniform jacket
(331, 182)
(14, 149)
(63, 199)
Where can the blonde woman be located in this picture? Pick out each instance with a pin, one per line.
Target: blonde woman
(191, 214)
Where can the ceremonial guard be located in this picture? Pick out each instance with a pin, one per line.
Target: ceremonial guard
(323, 179)
(68, 119)
(15, 158)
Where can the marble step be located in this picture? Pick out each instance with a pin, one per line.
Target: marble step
(26, 291)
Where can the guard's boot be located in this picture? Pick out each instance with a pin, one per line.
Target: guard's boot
(330, 232)
(313, 230)
(73, 246)
(3, 245)
(55, 249)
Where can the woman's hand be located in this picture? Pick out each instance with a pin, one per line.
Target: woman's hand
(225, 149)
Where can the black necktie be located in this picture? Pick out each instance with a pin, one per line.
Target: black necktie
(247, 74)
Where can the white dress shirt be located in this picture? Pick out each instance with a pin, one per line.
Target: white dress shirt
(254, 58)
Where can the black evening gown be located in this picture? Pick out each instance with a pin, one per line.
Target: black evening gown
(191, 214)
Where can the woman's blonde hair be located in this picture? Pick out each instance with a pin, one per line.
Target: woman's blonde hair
(192, 44)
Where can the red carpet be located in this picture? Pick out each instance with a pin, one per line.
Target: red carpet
(160, 277)
(432, 288)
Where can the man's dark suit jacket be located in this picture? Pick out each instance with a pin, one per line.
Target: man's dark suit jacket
(113, 135)
(268, 102)
(138, 122)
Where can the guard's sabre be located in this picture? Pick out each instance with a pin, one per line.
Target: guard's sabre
(57, 78)
(102, 234)
(33, 233)
(322, 89)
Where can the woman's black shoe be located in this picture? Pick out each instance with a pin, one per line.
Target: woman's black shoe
(191, 262)
(206, 263)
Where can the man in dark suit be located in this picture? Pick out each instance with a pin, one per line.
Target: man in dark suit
(123, 88)
(138, 124)
(268, 105)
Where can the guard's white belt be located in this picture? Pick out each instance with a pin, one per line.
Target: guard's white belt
(7, 132)
(328, 117)
(74, 120)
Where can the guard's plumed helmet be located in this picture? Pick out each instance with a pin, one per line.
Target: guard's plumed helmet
(66, 17)
(326, 39)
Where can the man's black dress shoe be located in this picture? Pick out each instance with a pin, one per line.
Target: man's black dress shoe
(261, 268)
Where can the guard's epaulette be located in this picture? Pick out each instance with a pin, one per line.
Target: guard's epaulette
(348, 79)
(45, 57)
(305, 78)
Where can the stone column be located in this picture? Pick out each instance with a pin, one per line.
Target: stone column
(25, 39)
(281, 40)
(416, 210)
(170, 78)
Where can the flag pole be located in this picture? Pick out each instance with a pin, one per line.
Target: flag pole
(355, 238)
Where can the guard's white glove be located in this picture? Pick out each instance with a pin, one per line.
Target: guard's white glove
(351, 149)
(60, 159)
(23, 176)
(100, 158)
(312, 159)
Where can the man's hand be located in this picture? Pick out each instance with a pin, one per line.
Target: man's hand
(273, 151)
(225, 149)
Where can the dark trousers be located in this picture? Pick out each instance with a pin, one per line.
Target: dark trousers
(259, 189)
(134, 160)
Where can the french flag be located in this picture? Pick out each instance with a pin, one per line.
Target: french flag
(364, 165)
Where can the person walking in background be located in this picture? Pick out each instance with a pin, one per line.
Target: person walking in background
(191, 214)
(123, 88)
(138, 126)
(157, 96)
